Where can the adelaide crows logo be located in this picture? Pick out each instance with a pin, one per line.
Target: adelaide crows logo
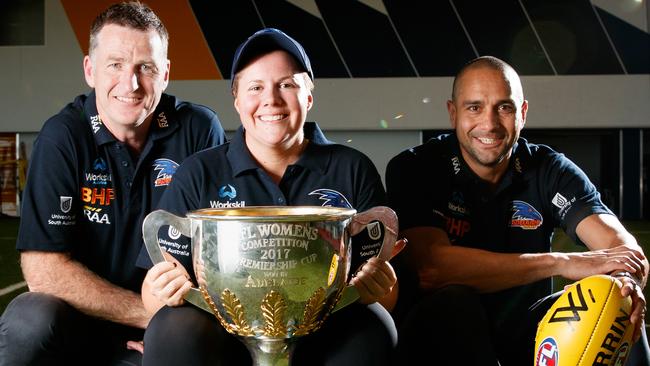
(331, 198)
(166, 168)
(525, 216)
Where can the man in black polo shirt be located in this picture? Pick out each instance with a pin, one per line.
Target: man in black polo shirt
(97, 168)
(275, 158)
(480, 224)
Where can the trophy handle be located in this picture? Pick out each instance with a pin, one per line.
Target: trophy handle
(150, 227)
(387, 217)
(359, 221)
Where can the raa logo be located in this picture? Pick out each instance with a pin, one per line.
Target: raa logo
(525, 216)
(162, 120)
(95, 214)
(166, 168)
(331, 198)
(96, 123)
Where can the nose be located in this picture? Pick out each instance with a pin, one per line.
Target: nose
(271, 96)
(129, 79)
(491, 118)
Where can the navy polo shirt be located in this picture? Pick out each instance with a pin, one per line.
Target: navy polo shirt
(431, 185)
(327, 174)
(87, 195)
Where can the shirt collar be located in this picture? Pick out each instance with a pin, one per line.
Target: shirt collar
(238, 155)
(514, 173)
(315, 157)
(164, 119)
(100, 132)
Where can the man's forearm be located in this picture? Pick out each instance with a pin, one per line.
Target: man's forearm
(488, 271)
(439, 263)
(59, 275)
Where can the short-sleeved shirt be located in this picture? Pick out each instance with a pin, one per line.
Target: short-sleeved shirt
(326, 174)
(431, 185)
(87, 195)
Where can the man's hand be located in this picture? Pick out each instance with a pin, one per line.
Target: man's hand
(136, 346)
(60, 275)
(622, 258)
(631, 287)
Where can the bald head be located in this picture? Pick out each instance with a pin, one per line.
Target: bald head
(492, 63)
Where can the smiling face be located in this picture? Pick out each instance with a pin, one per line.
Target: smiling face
(272, 97)
(129, 71)
(487, 111)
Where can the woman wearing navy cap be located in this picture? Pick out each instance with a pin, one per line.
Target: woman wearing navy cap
(275, 158)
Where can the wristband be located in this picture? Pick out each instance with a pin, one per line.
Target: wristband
(628, 275)
(623, 274)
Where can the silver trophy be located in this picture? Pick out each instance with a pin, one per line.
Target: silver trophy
(271, 274)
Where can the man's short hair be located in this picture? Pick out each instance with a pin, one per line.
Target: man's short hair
(132, 14)
(482, 61)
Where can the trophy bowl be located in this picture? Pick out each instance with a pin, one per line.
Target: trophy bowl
(270, 274)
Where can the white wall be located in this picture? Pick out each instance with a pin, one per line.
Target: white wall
(36, 81)
(379, 146)
(380, 115)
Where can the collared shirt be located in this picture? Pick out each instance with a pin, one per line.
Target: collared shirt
(326, 174)
(87, 195)
(431, 185)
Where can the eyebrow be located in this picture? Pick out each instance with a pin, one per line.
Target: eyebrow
(471, 102)
(115, 58)
(123, 59)
(499, 102)
(288, 77)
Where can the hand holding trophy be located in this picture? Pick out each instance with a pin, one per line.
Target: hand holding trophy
(271, 274)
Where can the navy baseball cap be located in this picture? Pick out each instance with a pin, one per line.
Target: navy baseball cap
(265, 41)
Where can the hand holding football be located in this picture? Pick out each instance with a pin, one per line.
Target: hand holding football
(587, 325)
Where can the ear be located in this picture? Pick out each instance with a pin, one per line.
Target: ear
(88, 71)
(524, 112)
(166, 74)
(451, 109)
(236, 104)
(310, 101)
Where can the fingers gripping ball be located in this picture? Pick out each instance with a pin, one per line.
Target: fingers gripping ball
(588, 325)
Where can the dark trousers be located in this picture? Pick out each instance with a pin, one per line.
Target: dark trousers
(451, 327)
(40, 329)
(356, 335)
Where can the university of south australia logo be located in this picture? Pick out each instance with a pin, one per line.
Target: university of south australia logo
(65, 203)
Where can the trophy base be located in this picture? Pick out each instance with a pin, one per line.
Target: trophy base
(269, 351)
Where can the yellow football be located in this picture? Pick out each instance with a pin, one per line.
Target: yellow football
(589, 324)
